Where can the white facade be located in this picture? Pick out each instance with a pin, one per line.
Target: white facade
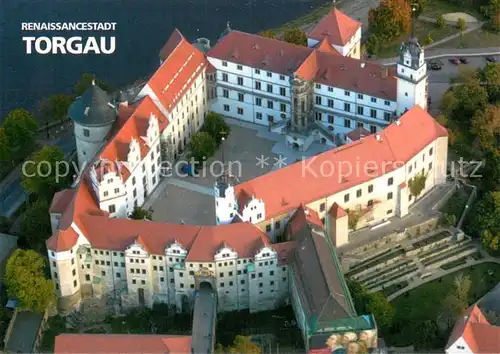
(412, 78)
(460, 346)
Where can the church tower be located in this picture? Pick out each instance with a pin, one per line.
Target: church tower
(225, 200)
(411, 75)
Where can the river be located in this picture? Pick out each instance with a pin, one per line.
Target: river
(142, 28)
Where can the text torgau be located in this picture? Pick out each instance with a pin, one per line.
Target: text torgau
(72, 45)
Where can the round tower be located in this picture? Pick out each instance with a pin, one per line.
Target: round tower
(93, 114)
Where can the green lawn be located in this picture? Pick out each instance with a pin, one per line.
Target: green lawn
(475, 39)
(424, 302)
(422, 29)
(393, 288)
(434, 8)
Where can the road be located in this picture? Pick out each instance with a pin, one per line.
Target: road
(12, 195)
(205, 310)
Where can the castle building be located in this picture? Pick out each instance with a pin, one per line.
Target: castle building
(317, 93)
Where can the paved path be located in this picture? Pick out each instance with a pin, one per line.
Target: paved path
(438, 273)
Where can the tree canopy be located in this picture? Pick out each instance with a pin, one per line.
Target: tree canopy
(25, 280)
(35, 224)
(416, 184)
(390, 19)
(201, 146)
(241, 344)
(46, 172)
(267, 34)
(295, 36)
(85, 82)
(54, 107)
(216, 126)
(20, 129)
(141, 214)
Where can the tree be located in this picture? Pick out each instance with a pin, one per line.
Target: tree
(486, 220)
(428, 40)
(419, 6)
(85, 82)
(267, 34)
(35, 224)
(491, 76)
(54, 108)
(373, 45)
(5, 148)
(382, 310)
(201, 146)
(492, 12)
(448, 219)
(486, 125)
(241, 344)
(25, 280)
(416, 184)
(46, 172)
(390, 19)
(425, 334)
(295, 36)
(141, 214)
(216, 126)
(440, 21)
(21, 129)
(490, 240)
(461, 24)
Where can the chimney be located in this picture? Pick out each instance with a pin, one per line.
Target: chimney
(378, 137)
(385, 72)
(306, 211)
(398, 122)
(362, 65)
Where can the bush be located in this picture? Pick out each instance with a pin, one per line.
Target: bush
(461, 24)
(428, 40)
(373, 45)
(440, 21)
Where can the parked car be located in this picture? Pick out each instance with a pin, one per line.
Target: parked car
(491, 59)
(434, 66)
(464, 60)
(188, 169)
(454, 61)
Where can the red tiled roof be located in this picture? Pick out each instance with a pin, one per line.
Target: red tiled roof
(477, 332)
(336, 211)
(303, 216)
(358, 133)
(398, 143)
(324, 46)
(284, 250)
(350, 74)
(121, 343)
(260, 52)
(336, 27)
(61, 200)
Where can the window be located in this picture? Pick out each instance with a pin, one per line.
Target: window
(373, 99)
(373, 129)
(390, 181)
(257, 85)
(260, 275)
(389, 196)
(346, 198)
(258, 115)
(347, 107)
(322, 207)
(318, 116)
(370, 203)
(361, 110)
(387, 103)
(431, 150)
(103, 273)
(347, 123)
(87, 277)
(230, 283)
(387, 116)
(258, 101)
(241, 97)
(240, 81)
(240, 111)
(269, 74)
(330, 103)
(282, 77)
(112, 208)
(430, 166)
(270, 118)
(318, 99)
(224, 77)
(373, 113)
(74, 283)
(283, 107)
(277, 224)
(269, 88)
(270, 104)
(271, 273)
(257, 71)
(224, 63)
(239, 67)
(330, 89)
(261, 285)
(370, 188)
(225, 93)
(318, 86)
(271, 283)
(282, 91)
(359, 193)
(347, 93)
(268, 228)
